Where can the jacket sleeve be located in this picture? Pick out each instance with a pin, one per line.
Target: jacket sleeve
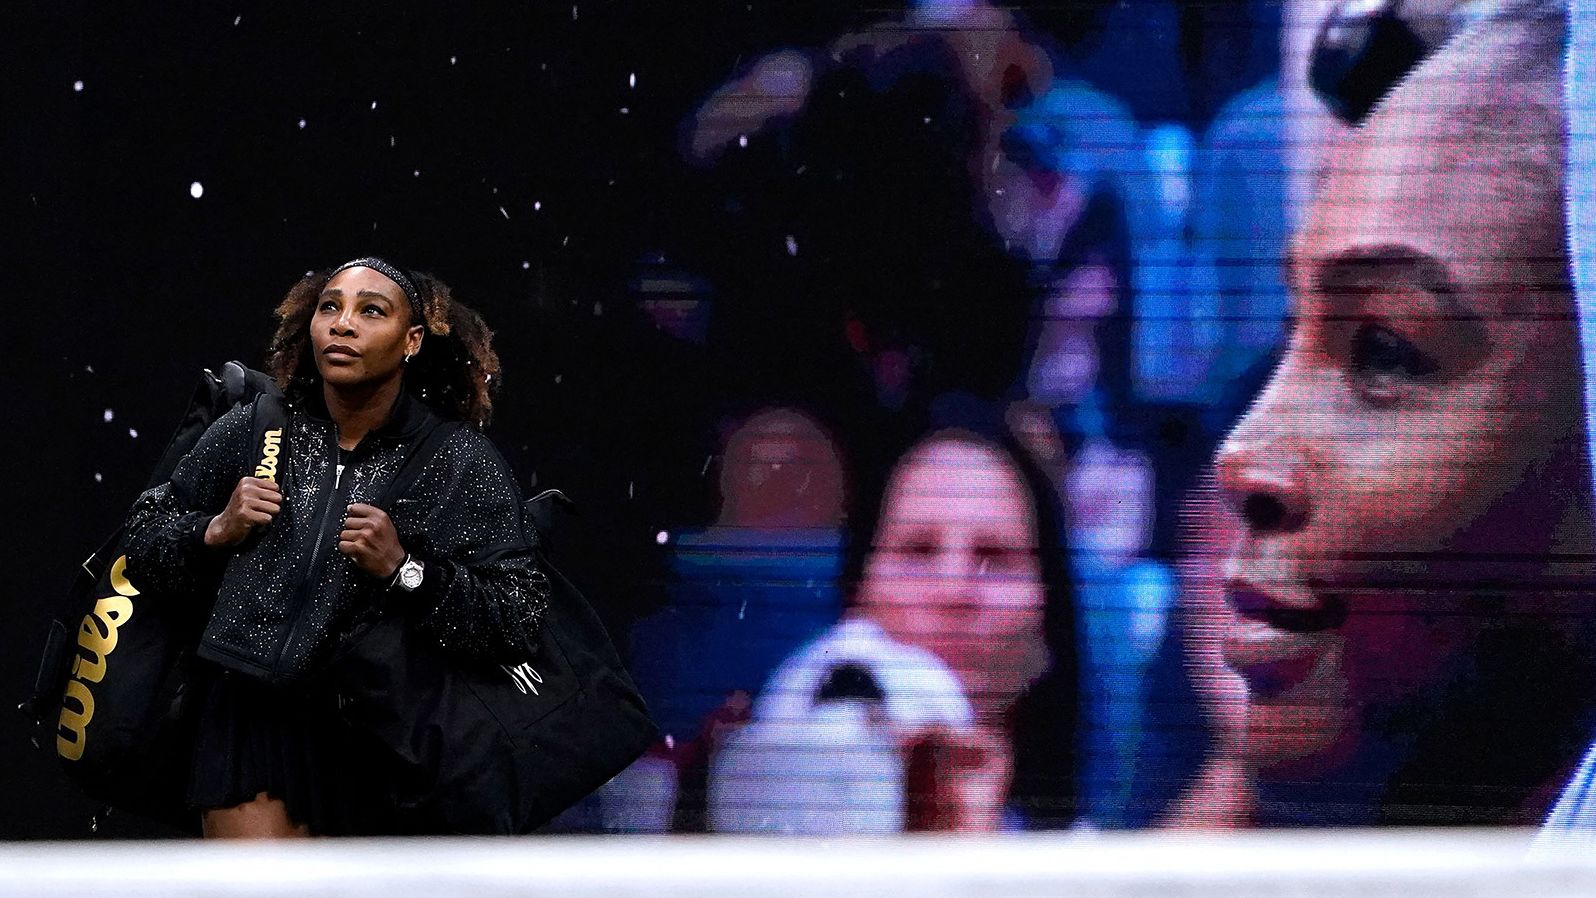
(165, 540)
(482, 592)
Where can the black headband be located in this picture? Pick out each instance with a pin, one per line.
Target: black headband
(392, 273)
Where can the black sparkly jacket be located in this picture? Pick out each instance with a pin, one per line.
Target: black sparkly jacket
(284, 602)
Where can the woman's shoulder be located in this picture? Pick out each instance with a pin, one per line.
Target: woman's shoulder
(239, 414)
(470, 444)
(217, 453)
(233, 424)
(468, 453)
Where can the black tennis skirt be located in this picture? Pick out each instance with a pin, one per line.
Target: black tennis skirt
(291, 744)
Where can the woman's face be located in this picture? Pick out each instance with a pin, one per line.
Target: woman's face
(954, 568)
(1421, 441)
(361, 329)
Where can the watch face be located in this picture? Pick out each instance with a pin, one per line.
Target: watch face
(410, 577)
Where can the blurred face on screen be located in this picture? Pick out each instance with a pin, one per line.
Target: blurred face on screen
(782, 470)
(954, 567)
(1067, 359)
(1417, 457)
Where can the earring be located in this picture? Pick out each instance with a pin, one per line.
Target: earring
(407, 359)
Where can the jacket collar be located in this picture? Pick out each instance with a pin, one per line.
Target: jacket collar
(410, 416)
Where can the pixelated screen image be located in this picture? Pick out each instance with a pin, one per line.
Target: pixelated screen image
(986, 418)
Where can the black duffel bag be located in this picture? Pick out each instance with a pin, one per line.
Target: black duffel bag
(115, 665)
(485, 748)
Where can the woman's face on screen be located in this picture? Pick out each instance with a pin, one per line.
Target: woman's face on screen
(1421, 443)
(954, 567)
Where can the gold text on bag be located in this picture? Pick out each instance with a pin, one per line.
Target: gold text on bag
(267, 469)
(96, 640)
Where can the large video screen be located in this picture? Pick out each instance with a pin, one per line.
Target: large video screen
(980, 418)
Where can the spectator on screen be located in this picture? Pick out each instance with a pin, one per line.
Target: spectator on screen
(1125, 599)
(945, 698)
(1240, 226)
(745, 592)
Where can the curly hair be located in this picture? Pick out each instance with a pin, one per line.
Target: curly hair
(456, 372)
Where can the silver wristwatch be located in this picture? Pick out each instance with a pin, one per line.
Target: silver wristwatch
(408, 577)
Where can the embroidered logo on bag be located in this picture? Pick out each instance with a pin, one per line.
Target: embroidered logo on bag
(267, 469)
(524, 676)
(96, 640)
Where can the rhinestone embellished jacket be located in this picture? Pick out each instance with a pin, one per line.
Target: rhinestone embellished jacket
(285, 599)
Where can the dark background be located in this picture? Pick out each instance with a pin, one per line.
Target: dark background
(506, 153)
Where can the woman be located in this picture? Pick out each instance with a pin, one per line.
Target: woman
(945, 698)
(1410, 577)
(369, 357)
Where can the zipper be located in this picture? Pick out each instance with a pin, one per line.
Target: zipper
(307, 577)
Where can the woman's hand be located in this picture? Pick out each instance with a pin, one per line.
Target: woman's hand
(369, 539)
(254, 503)
(958, 778)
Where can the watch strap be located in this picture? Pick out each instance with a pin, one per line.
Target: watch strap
(399, 571)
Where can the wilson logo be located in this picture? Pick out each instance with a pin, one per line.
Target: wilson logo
(524, 676)
(267, 469)
(96, 641)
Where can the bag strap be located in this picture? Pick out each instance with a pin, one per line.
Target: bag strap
(427, 445)
(268, 444)
(543, 511)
